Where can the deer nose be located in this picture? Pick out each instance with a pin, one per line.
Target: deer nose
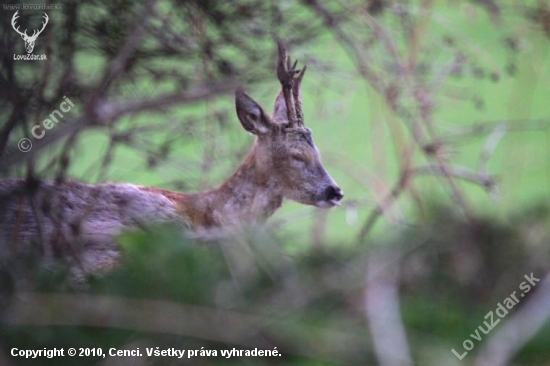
(334, 193)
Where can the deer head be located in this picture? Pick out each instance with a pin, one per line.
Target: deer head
(29, 41)
(284, 150)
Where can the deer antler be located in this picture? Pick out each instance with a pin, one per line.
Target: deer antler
(298, 96)
(13, 19)
(43, 26)
(290, 85)
(35, 33)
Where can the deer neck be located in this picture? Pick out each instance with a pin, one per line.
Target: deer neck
(250, 195)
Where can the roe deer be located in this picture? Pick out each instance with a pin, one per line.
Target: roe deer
(80, 221)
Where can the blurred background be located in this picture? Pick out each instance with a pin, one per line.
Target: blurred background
(431, 115)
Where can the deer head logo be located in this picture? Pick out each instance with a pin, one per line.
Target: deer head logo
(29, 41)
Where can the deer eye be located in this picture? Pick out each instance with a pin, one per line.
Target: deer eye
(298, 157)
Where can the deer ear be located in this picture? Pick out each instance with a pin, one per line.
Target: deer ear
(252, 116)
(279, 109)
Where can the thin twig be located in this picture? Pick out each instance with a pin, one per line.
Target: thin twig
(459, 172)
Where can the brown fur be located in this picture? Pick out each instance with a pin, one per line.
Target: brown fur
(80, 221)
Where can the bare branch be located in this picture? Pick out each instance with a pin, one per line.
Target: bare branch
(481, 128)
(490, 146)
(385, 204)
(107, 111)
(456, 172)
(382, 310)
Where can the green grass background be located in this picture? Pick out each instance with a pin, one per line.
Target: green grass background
(350, 124)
